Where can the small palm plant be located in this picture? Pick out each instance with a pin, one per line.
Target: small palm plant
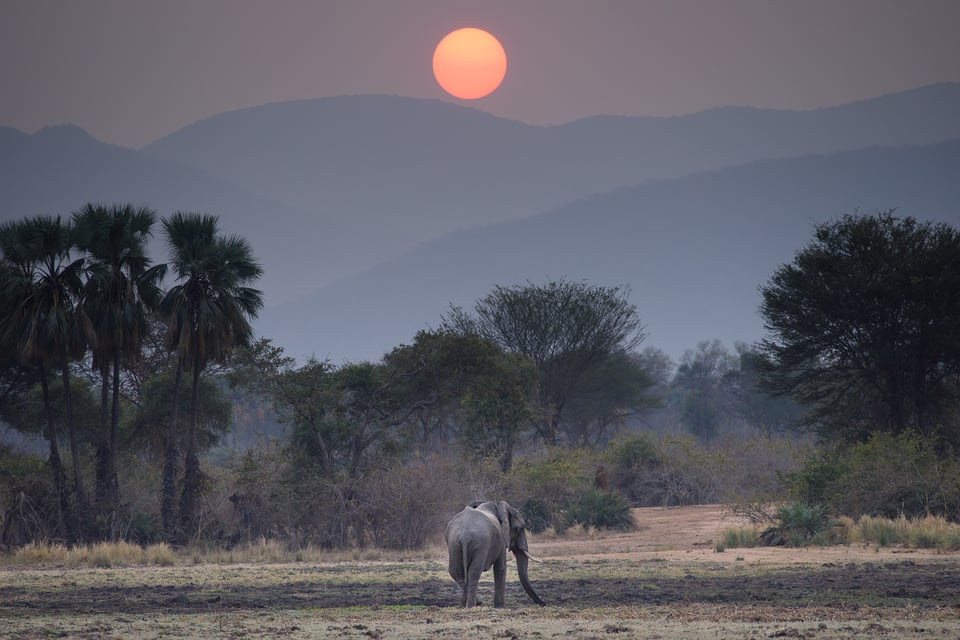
(797, 524)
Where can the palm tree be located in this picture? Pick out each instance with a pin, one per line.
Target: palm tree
(43, 318)
(121, 288)
(207, 314)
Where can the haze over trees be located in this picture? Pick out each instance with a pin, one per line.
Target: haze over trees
(576, 335)
(539, 391)
(608, 200)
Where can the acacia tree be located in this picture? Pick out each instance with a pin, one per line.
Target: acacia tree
(864, 327)
(121, 287)
(208, 313)
(566, 329)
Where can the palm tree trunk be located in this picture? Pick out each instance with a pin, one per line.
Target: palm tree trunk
(191, 471)
(101, 490)
(65, 523)
(113, 481)
(82, 503)
(169, 490)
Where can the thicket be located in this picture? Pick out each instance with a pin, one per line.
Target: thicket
(888, 475)
(262, 494)
(537, 396)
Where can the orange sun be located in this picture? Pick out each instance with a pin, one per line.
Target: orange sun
(469, 63)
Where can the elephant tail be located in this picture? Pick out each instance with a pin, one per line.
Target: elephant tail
(466, 557)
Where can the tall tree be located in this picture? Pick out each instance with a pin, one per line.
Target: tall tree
(864, 327)
(611, 394)
(565, 328)
(208, 313)
(498, 407)
(429, 377)
(45, 321)
(703, 403)
(121, 287)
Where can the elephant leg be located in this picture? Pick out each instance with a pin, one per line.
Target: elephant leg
(500, 581)
(457, 572)
(473, 583)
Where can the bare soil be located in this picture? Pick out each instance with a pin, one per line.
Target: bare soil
(665, 580)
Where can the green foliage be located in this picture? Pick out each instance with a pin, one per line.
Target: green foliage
(602, 510)
(610, 394)
(498, 407)
(557, 479)
(888, 475)
(904, 474)
(796, 524)
(28, 500)
(551, 486)
(632, 452)
(699, 381)
(865, 328)
(155, 415)
(28, 413)
(341, 419)
(537, 514)
(667, 471)
(818, 481)
(569, 330)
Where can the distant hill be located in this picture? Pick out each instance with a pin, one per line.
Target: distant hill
(694, 250)
(58, 169)
(382, 174)
(342, 196)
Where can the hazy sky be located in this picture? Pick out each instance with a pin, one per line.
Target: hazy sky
(130, 71)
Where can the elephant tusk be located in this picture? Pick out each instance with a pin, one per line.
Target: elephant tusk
(527, 553)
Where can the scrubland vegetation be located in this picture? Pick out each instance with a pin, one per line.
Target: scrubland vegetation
(188, 446)
(178, 427)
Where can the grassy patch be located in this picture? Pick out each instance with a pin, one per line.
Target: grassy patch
(800, 529)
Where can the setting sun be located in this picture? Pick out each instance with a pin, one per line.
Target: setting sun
(469, 63)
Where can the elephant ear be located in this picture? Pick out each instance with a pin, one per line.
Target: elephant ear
(503, 515)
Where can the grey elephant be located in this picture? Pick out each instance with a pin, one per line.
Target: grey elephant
(478, 538)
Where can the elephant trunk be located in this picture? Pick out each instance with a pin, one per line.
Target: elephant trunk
(522, 563)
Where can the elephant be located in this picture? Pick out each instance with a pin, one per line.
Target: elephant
(478, 538)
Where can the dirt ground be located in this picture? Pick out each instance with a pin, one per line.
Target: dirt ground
(665, 580)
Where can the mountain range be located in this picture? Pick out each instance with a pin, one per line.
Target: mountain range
(372, 214)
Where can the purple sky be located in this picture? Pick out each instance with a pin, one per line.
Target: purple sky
(130, 71)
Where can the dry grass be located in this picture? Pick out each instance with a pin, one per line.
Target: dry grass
(930, 532)
(664, 581)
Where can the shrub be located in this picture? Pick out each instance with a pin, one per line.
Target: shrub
(753, 474)
(407, 504)
(886, 476)
(667, 471)
(817, 481)
(545, 490)
(537, 514)
(28, 501)
(602, 510)
(798, 524)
